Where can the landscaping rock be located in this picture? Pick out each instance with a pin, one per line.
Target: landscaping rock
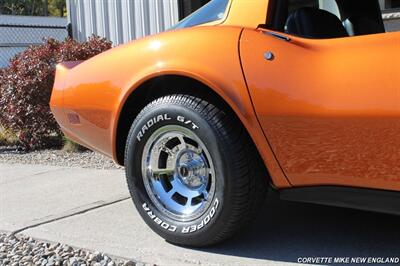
(86, 159)
(45, 254)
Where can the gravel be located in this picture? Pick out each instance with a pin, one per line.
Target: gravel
(23, 250)
(86, 159)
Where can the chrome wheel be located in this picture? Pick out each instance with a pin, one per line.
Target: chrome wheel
(178, 173)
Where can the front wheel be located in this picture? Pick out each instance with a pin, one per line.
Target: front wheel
(192, 172)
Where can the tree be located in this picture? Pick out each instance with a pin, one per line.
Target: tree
(57, 7)
(33, 7)
(46, 8)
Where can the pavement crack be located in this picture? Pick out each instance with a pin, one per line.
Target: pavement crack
(83, 211)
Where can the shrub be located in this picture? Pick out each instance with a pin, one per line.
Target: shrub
(26, 86)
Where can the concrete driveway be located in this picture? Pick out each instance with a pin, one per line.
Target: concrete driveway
(91, 209)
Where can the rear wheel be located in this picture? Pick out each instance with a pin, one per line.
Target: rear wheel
(192, 173)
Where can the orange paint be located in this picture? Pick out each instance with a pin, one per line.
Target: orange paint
(329, 108)
(322, 112)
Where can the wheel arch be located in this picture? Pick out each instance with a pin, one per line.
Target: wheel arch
(173, 83)
(154, 88)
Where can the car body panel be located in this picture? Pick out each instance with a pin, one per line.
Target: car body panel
(88, 97)
(247, 14)
(97, 94)
(336, 120)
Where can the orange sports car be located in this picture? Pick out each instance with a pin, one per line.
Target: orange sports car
(299, 96)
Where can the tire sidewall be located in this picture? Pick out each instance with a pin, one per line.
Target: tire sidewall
(153, 118)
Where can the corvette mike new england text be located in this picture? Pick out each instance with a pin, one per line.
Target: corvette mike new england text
(349, 260)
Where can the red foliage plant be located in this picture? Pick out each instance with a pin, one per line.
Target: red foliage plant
(26, 85)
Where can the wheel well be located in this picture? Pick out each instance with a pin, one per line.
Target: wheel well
(154, 89)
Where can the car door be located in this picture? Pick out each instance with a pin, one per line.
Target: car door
(330, 109)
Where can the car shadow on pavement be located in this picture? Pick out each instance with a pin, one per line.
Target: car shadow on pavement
(286, 231)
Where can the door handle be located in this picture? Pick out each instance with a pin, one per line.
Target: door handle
(278, 36)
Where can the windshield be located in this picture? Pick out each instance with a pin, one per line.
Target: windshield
(213, 11)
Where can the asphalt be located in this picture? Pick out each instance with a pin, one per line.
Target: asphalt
(92, 209)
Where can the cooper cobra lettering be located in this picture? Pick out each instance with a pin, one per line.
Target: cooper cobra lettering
(157, 220)
(205, 221)
(186, 229)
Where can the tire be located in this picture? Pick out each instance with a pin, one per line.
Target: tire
(191, 171)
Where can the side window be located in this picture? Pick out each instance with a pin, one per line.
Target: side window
(296, 4)
(390, 4)
(326, 19)
(328, 5)
(213, 11)
(314, 19)
(391, 14)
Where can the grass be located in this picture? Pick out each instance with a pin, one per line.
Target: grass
(70, 146)
(7, 137)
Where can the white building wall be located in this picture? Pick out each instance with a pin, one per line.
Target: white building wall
(121, 20)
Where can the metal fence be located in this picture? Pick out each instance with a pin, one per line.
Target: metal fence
(392, 21)
(19, 32)
(120, 20)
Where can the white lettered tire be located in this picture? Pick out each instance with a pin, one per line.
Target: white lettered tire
(192, 171)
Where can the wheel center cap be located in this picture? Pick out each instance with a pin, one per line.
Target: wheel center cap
(192, 170)
(184, 171)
